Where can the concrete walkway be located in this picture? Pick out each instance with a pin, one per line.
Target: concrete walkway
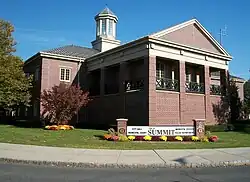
(123, 158)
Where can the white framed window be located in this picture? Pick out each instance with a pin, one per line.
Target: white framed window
(65, 74)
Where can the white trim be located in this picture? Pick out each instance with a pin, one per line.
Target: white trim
(189, 48)
(184, 24)
(71, 58)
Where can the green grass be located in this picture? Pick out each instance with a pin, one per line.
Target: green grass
(80, 138)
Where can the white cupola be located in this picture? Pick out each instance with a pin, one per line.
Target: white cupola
(105, 31)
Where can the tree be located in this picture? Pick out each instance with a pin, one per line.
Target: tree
(230, 108)
(235, 103)
(62, 102)
(247, 97)
(14, 85)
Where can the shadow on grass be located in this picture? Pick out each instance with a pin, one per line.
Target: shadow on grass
(100, 137)
(23, 123)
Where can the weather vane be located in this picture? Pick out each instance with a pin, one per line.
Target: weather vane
(223, 32)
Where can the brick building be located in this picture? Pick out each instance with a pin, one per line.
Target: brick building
(169, 77)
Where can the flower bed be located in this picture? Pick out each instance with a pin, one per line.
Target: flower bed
(114, 136)
(59, 127)
(110, 137)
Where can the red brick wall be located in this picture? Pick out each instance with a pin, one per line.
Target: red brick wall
(215, 100)
(194, 107)
(50, 72)
(167, 108)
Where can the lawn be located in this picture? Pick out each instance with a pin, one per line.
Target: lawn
(82, 138)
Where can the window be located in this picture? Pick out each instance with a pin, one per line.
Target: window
(160, 70)
(104, 27)
(111, 27)
(65, 74)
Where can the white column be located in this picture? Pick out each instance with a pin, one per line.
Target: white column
(173, 72)
(100, 27)
(107, 26)
(198, 78)
(114, 26)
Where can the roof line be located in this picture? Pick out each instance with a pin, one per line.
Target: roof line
(189, 22)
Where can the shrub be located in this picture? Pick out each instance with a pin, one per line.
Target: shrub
(147, 138)
(178, 138)
(59, 127)
(204, 139)
(213, 138)
(123, 138)
(163, 138)
(131, 138)
(139, 138)
(115, 138)
(155, 138)
(107, 136)
(63, 102)
(195, 138)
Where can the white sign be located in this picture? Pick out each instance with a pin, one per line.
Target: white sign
(161, 130)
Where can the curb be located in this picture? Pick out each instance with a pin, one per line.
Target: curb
(96, 165)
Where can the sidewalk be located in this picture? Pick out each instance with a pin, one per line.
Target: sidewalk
(123, 158)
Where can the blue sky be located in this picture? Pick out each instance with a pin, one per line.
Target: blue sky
(41, 25)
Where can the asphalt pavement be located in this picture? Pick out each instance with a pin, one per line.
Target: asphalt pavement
(33, 173)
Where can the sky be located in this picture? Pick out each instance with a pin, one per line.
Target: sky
(46, 24)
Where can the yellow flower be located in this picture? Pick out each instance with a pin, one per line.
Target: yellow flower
(123, 138)
(148, 138)
(131, 138)
(164, 138)
(179, 138)
(205, 139)
(195, 138)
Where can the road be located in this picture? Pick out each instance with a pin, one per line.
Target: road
(30, 173)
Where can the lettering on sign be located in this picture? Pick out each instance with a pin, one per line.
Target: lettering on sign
(161, 130)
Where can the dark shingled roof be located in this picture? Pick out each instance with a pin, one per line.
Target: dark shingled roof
(73, 50)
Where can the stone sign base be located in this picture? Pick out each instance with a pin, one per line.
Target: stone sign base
(122, 126)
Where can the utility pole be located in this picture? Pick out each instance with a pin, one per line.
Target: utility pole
(223, 32)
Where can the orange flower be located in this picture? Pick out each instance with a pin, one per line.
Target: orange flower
(107, 136)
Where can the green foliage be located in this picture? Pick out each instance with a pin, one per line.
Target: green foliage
(246, 105)
(14, 85)
(7, 42)
(234, 103)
